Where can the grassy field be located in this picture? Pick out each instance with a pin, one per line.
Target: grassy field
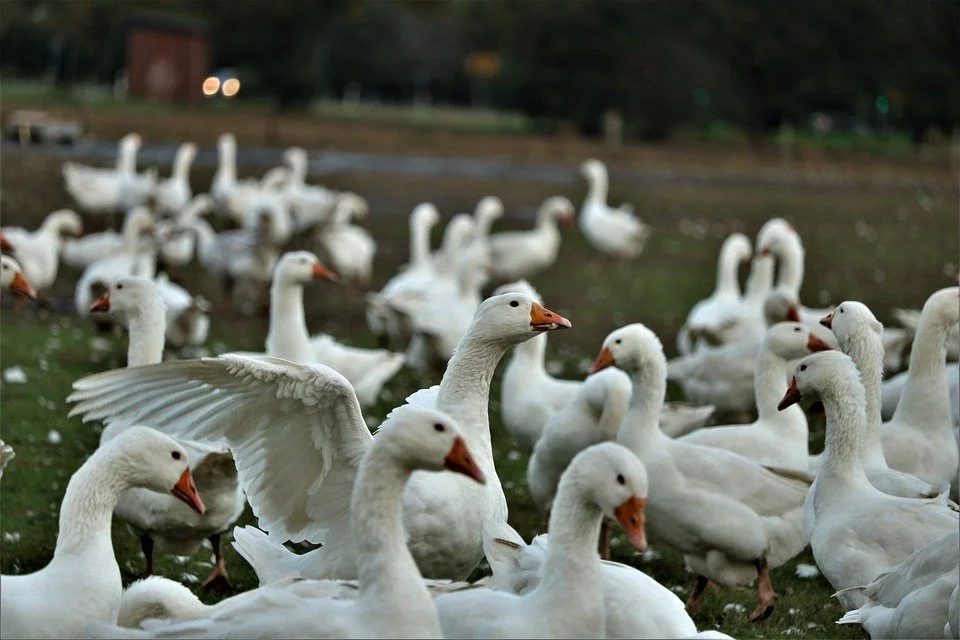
(886, 247)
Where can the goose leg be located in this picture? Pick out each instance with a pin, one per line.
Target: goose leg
(606, 536)
(699, 586)
(218, 580)
(765, 593)
(146, 545)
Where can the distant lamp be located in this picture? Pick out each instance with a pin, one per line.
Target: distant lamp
(230, 87)
(211, 85)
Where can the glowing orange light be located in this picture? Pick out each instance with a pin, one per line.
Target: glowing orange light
(230, 87)
(211, 85)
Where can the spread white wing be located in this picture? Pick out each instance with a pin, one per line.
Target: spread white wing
(296, 430)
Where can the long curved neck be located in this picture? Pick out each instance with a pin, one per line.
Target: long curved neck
(615, 403)
(87, 508)
(465, 389)
(846, 425)
(926, 393)
(51, 226)
(532, 352)
(298, 171)
(386, 571)
(181, 166)
(760, 282)
(131, 238)
(597, 192)
(572, 565)
(727, 268)
(770, 385)
(288, 337)
(791, 267)
(865, 348)
(127, 159)
(419, 243)
(147, 327)
(227, 170)
(643, 413)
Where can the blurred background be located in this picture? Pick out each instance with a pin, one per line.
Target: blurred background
(880, 77)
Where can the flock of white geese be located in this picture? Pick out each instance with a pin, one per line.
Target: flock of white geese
(402, 516)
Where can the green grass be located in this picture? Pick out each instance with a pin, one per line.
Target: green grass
(908, 248)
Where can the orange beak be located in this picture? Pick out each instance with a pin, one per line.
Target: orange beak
(793, 313)
(187, 491)
(765, 251)
(320, 272)
(748, 261)
(102, 303)
(827, 321)
(815, 344)
(78, 233)
(630, 515)
(542, 319)
(5, 244)
(604, 360)
(22, 286)
(791, 397)
(459, 460)
(567, 222)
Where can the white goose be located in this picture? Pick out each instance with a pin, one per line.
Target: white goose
(38, 252)
(391, 599)
(919, 438)
(137, 257)
(174, 193)
(111, 190)
(81, 585)
(351, 248)
(859, 334)
(855, 530)
(477, 253)
(297, 435)
(231, 196)
(592, 415)
(615, 232)
(635, 605)
(310, 205)
(412, 282)
(177, 245)
(912, 599)
(603, 480)
(522, 254)
(776, 438)
(366, 369)
(732, 518)
(188, 316)
(708, 316)
(162, 523)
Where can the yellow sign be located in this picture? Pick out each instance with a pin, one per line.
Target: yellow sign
(483, 64)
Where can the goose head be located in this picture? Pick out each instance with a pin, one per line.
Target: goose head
(631, 348)
(775, 235)
(130, 143)
(819, 374)
(558, 208)
(299, 267)
(147, 458)
(351, 206)
(737, 249)
(792, 340)
(593, 170)
(12, 278)
(295, 158)
(488, 210)
(943, 306)
(427, 439)
(613, 478)
(513, 318)
(64, 222)
(139, 221)
(459, 232)
(186, 154)
(226, 144)
(129, 296)
(849, 318)
(781, 305)
(425, 214)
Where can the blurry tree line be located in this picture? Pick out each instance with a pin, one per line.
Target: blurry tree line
(662, 64)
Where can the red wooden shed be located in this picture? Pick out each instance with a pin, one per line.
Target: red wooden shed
(168, 58)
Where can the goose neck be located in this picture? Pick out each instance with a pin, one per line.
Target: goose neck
(760, 281)
(86, 512)
(926, 394)
(288, 337)
(727, 272)
(641, 422)
(770, 385)
(147, 328)
(572, 564)
(465, 387)
(865, 348)
(791, 264)
(846, 426)
(419, 243)
(597, 189)
(181, 166)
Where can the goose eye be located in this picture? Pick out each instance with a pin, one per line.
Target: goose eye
(841, 309)
(803, 367)
(175, 455)
(439, 427)
(621, 479)
(796, 329)
(617, 341)
(119, 286)
(514, 303)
